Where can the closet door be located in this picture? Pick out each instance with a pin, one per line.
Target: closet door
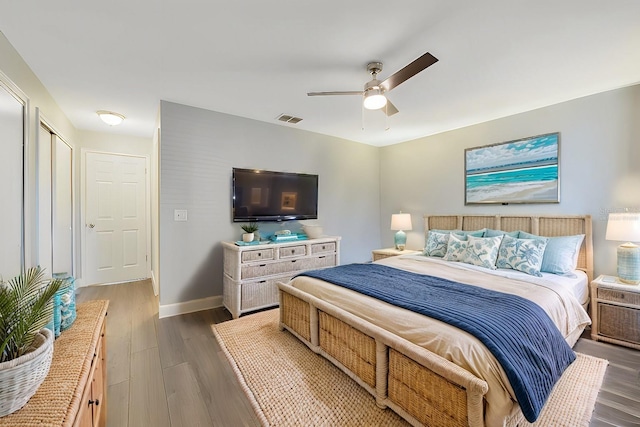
(12, 116)
(62, 207)
(45, 246)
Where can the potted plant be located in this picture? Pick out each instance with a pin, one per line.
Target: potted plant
(26, 346)
(249, 231)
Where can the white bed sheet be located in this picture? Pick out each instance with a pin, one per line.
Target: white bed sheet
(447, 341)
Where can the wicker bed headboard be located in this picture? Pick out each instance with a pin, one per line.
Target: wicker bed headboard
(543, 225)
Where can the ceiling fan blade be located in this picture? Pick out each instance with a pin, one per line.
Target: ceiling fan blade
(389, 109)
(409, 71)
(335, 93)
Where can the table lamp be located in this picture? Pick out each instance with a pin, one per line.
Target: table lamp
(625, 227)
(401, 222)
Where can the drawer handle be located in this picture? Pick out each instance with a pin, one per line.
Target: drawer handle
(293, 251)
(262, 281)
(322, 247)
(320, 257)
(92, 402)
(259, 254)
(263, 265)
(294, 260)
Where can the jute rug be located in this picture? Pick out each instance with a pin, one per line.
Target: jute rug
(289, 385)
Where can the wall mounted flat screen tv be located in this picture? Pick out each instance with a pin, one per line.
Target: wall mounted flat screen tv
(260, 195)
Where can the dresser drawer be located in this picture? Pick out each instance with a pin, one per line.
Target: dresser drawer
(292, 251)
(261, 293)
(258, 255)
(615, 295)
(618, 322)
(319, 248)
(285, 266)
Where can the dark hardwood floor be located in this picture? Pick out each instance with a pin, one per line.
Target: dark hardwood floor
(172, 372)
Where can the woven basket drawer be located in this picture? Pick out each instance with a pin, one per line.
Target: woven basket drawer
(615, 295)
(619, 322)
(258, 255)
(425, 395)
(268, 269)
(260, 293)
(292, 251)
(320, 248)
(349, 346)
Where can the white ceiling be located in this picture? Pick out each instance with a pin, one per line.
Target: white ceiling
(258, 59)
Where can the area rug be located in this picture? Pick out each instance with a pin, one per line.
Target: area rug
(289, 385)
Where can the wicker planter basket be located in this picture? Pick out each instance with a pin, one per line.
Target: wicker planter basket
(21, 377)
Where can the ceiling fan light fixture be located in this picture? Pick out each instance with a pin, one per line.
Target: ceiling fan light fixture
(110, 118)
(374, 99)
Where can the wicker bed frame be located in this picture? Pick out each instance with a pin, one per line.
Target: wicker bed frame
(422, 387)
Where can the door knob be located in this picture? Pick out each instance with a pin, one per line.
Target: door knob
(91, 225)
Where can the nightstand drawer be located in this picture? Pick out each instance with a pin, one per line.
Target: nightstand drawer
(615, 295)
(619, 322)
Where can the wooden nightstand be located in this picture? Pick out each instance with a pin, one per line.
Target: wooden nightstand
(388, 252)
(615, 312)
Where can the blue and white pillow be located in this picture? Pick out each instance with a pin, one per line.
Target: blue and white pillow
(482, 251)
(456, 248)
(521, 254)
(561, 254)
(436, 244)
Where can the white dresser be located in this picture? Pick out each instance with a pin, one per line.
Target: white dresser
(251, 272)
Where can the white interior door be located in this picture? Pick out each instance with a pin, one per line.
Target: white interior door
(115, 218)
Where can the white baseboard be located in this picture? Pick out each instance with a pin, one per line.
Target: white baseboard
(176, 309)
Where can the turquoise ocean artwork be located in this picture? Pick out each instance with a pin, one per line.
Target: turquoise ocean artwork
(522, 171)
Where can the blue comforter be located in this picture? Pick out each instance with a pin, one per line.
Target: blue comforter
(517, 331)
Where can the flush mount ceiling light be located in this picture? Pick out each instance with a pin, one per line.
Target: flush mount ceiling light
(110, 118)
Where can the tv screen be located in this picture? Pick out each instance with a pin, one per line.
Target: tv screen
(260, 195)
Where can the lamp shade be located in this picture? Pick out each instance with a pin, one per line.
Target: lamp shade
(401, 221)
(623, 227)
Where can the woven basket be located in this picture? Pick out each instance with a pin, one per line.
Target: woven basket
(21, 377)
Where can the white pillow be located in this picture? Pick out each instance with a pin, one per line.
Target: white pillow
(456, 248)
(482, 251)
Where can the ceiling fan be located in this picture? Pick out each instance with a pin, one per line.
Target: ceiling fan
(374, 91)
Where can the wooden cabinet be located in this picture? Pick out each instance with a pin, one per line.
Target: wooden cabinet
(251, 272)
(389, 252)
(615, 312)
(92, 411)
(74, 391)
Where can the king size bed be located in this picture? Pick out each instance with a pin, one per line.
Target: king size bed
(427, 366)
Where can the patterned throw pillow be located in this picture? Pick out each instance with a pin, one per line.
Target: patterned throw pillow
(456, 248)
(436, 244)
(521, 254)
(482, 251)
(561, 254)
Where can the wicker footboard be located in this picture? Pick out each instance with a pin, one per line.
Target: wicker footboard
(422, 387)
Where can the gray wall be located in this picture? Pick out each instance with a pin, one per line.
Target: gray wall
(199, 148)
(599, 166)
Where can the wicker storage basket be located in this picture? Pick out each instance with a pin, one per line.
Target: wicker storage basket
(21, 377)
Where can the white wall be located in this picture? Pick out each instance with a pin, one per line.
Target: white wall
(199, 148)
(599, 166)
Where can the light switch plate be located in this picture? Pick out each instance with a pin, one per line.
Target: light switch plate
(180, 215)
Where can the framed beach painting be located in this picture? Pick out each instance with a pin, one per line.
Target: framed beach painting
(520, 171)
